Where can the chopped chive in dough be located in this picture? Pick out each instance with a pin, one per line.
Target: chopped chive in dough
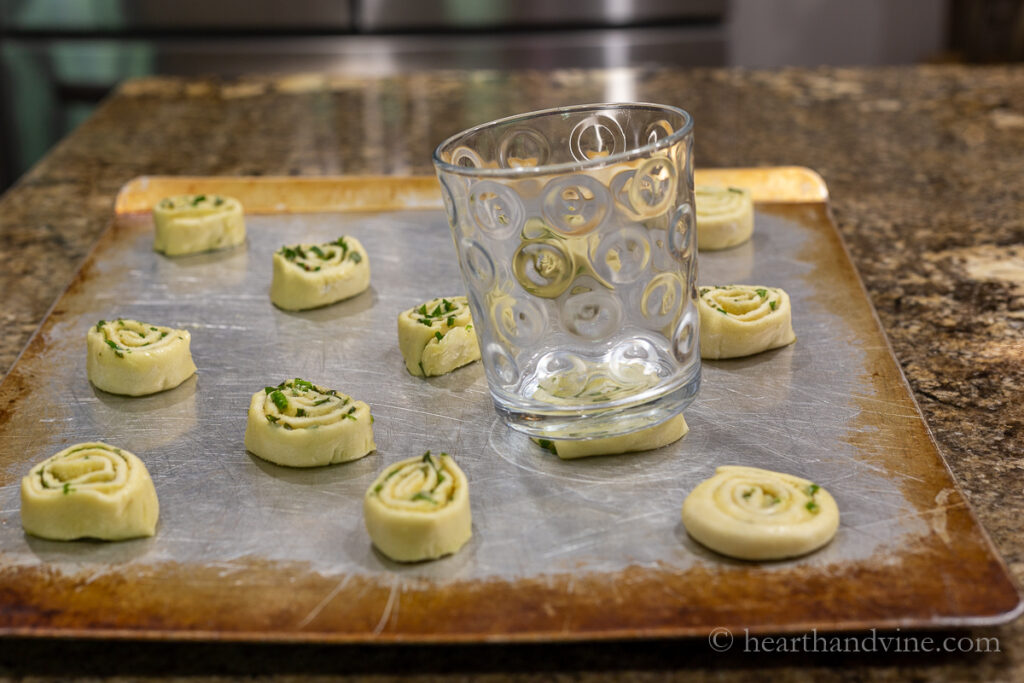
(424, 496)
(163, 334)
(118, 351)
(319, 252)
(722, 311)
(812, 506)
(438, 336)
(67, 488)
(272, 418)
(451, 321)
(469, 327)
(355, 257)
(349, 414)
(422, 310)
(269, 390)
(302, 384)
(761, 292)
(321, 401)
(100, 325)
(812, 489)
(748, 493)
(436, 312)
(547, 445)
(773, 304)
(279, 400)
(299, 412)
(198, 199)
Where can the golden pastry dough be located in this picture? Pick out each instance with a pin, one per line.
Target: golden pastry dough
(300, 424)
(437, 337)
(135, 358)
(667, 432)
(741, 320)
(756, 514)
(418, 509)
(313, 275)
(725, 217)
(192, 223)
(89, 490)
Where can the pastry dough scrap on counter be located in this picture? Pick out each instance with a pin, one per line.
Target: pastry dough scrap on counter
(89, 490)
(136, 358)
(191, 223)
(725, 217)
(418, 509)
(669, 431)
(437, 336)
(300, 424)
(755, 514)
(313, 275)
(741, 320)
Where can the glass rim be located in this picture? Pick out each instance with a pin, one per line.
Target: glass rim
(564, 166)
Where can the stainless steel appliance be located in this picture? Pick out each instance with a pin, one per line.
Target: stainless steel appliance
(57, 59)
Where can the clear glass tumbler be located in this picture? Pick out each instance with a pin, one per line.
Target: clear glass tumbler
(576, 237)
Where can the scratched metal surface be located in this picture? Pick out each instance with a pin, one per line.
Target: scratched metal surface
(791, 410)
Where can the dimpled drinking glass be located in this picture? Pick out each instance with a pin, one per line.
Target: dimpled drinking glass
(576, 237)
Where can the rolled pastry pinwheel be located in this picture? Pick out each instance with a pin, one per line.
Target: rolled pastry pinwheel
(755, 514)
(667, 432)
(725, 217)
(89, 490)
(135, 358)
(313, 275)
(437, 336)
(300, 424)
(191, 223)
(418, 509)
(741, 320)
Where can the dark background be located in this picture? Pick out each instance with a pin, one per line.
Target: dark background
(58, 59)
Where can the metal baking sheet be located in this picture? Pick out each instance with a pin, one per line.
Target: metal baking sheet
(580, 549)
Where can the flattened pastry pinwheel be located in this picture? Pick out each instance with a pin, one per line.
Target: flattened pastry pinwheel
(300, 424)
(437, 337)
(755, 514)
(667, 432)
(89, 490)
(197, 222)
(313, 275)
(741, 320)
(418, 509)
(725, 217)
(135, 358)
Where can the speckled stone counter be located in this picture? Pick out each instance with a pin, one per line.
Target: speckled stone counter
(926, 171)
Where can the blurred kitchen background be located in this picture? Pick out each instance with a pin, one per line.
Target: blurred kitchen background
(59, 58)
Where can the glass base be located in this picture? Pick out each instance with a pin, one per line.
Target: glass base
(556, 422)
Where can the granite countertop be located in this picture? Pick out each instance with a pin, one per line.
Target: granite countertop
(926, 171)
